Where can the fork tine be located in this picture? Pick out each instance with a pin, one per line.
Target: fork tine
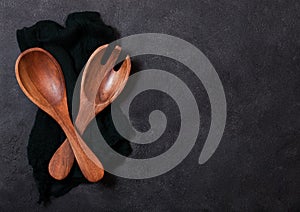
(123, 73)
(111, 61)
(124, 66)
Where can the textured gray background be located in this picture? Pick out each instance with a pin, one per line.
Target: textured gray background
(254, 46)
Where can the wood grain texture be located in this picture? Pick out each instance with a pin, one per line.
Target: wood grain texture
(41, 79)
(100, 86)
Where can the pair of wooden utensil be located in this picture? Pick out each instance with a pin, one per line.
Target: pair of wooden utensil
(41, 79)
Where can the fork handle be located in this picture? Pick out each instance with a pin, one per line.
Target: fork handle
(62, 160)
(88, 162)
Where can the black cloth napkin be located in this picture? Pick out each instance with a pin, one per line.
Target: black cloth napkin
(71, 45)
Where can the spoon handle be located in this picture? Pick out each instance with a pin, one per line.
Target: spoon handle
(62, 160)
(88, 162)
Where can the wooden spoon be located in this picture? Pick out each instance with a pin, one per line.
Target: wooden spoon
(41, 79)
(99, 87)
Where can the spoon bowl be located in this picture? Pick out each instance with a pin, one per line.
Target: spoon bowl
(37, 83)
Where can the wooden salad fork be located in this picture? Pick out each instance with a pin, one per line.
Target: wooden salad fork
(100, 85)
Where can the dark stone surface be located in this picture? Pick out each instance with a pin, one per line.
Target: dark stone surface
(255, 48)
